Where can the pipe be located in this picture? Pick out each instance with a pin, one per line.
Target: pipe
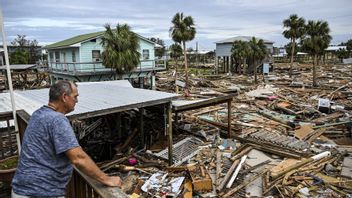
(9, 79)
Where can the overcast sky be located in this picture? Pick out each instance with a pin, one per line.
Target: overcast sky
(50, 21)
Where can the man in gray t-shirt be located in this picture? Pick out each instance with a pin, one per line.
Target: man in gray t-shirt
(50, 147)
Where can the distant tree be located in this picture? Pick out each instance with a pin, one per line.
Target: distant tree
(120, 48)
(240, 51)
(349, 47)
(26, 51)
(190, 49)
(176, 53)
(276, 50)
(160, 50)
(257, 52)
(183, 30)
(342, 53)
(20, 41)
(288, 48)
(294, 30)
(315, 41)
(20, 56)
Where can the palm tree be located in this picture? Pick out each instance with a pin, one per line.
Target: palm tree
(240, 51)
(176, 53)
(316, 40)
(349, 47)
(295, 30)
(183, 30)
(257, 52)
(120, 48)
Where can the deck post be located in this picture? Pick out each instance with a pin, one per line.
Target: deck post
(169, 131)
(141, 125)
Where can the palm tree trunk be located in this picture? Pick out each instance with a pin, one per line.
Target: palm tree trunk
(244, 66)
(292, 53)
(314, 71)
(186, 68)
(255, 72)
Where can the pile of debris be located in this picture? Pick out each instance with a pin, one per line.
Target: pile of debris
(289, 139)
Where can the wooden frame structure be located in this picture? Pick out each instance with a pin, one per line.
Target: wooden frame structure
(81, 186)
(206, 103)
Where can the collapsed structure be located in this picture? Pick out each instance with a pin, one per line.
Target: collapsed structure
(279, 138)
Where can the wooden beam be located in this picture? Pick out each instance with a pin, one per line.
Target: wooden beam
(229, 112)
(141, 126)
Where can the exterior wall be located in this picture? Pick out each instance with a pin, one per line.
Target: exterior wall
(270, 47)
(223, 49)
(65, 57)
(146, 63)
(86, 55)
(88, 47)
(88, 69)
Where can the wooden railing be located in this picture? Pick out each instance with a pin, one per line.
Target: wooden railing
(81, 186)
(86, 67)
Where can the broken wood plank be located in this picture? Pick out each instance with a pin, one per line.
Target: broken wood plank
(218, 167)
(228, 175)
(244, 184)
(233, 178)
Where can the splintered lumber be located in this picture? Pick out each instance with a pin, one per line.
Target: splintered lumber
(303, 132)
(244, 184)
(187, 190)
(218, 167)
(236, 171)
(241, 151)
(201, 179)
(207, 111)
(228, 175)
(303, 162)
(109, 165)
(316, 134)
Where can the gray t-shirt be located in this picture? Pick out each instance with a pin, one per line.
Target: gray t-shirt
(44, 170)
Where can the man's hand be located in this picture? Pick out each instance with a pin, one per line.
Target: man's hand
(85, 164)
(114, 181)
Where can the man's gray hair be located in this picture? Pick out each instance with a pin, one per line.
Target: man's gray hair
(58, 88)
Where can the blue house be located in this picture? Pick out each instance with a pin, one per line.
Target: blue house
(79, 59)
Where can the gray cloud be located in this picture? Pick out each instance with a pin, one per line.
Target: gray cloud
(52, 21)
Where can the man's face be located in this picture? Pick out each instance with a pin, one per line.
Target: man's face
(71, 100)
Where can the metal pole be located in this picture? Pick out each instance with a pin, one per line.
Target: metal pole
(10, 82)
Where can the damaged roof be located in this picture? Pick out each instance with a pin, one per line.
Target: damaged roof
(107, 97)
(240, 38)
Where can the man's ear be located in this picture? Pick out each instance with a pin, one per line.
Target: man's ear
(63, 97)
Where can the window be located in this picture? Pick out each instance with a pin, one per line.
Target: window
(57, 56)
(73, 56)
(96, 55)
(145, 54)
(51, 56)
(93, 40)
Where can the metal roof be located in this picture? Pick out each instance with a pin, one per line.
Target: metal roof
(18, 67)
(84, 37)
(241, 38)
(95, 98)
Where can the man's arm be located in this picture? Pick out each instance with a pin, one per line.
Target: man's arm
(84, 163)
